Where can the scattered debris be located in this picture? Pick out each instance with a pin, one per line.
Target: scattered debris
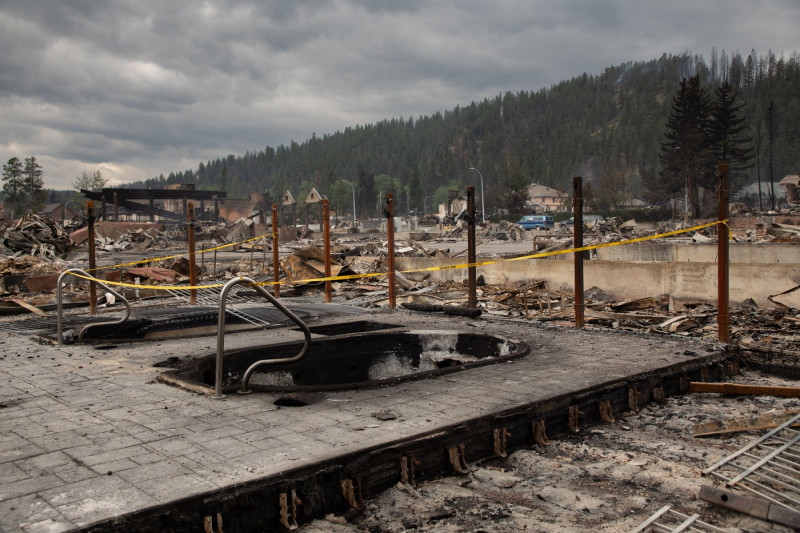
(759, 422)
(610, 477)
(384, 414)
(758, 507)
(766, 470)
(36, 236)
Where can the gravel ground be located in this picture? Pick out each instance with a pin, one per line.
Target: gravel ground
(606, 478)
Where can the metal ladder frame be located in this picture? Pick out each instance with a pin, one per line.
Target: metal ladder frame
(221, 335)
(661, 521)
(767, 467)
(60, 306)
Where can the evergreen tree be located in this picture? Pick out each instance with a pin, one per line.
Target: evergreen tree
(415, 192)
(13, 188)
(365, 194)
(686, 155)
(223, 178)
(33, 183)
(728, 129)
(515, 196)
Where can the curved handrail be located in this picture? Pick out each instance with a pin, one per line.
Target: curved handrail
(59, 306)
(221, 336)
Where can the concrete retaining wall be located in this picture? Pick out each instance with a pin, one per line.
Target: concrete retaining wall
(632, 279)
(766, 254)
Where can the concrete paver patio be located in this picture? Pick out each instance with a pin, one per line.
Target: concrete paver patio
(88, 433)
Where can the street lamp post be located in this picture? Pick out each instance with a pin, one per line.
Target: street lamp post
(66, 206)
(483, 208)
(354, 201)
(423, 204)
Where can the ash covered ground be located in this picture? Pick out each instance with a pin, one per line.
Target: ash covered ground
(608, 478)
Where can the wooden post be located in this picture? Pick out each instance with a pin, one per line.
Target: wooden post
(472, 292)
(92, 256)
(389, 212)
(723, 274)
(577, 230)
(275, 259)
(326, 236)
(192, 272)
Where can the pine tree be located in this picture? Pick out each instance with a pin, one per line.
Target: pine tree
(13, 187)
(365, 193)
(728, 129)
(223, 178)
(686, 156)
(33, 184)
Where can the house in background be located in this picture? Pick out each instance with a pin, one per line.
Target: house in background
(59, 212)
(542, 198)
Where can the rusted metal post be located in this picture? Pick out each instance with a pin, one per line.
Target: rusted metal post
(326, 236)
(723, 274)
(472, 294)
(389, 212)
(577, 214)
(116, 208)
(90, 219)
(276, 288)
(192, 271)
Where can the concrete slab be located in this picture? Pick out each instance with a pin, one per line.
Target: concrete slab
(89, 434)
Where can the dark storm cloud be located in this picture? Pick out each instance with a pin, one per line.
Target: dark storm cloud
(139, 87)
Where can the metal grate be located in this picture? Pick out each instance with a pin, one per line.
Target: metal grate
(768, 467)
(670, 520)
(210, 297)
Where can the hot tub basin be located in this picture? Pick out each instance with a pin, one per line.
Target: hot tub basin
(352, 361)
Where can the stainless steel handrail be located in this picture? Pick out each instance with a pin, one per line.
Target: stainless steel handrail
(221, 335)
(60, 307)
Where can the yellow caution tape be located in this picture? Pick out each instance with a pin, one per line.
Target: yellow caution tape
(376, 274)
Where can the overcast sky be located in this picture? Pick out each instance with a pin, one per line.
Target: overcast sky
(139, 87)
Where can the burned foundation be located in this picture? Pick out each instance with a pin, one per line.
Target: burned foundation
(345, 481)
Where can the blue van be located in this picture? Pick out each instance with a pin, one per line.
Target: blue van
(537, 222)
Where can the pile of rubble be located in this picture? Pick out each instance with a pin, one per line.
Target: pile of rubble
(773, 330)
(35, 236)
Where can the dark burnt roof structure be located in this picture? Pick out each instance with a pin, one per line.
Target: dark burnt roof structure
(173, 202)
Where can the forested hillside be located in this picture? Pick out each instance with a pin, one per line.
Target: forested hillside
(608, 128)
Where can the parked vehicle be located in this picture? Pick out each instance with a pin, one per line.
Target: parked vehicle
(537, 222)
